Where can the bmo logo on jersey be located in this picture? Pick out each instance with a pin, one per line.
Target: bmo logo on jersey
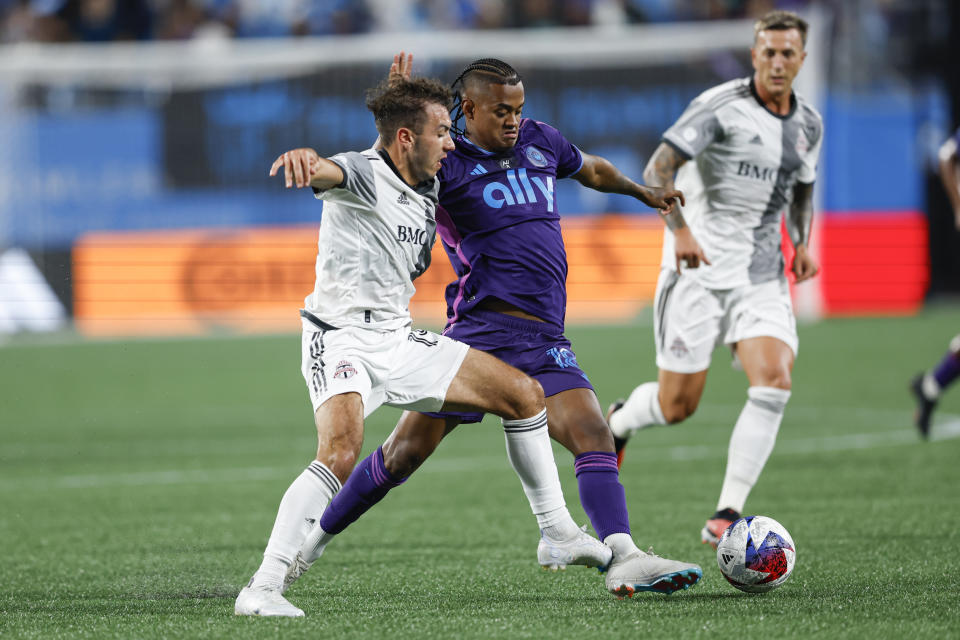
(411, 235)
(766, 174)
(520, 189)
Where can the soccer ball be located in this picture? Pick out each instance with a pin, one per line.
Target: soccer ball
(756, 554)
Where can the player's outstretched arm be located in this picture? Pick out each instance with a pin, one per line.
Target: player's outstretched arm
(799, 224)
(661, 171)
(949, 165)
(601, 174)
(305, 168)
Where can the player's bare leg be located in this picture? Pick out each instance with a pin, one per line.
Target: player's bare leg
(339, 423)
(413, 440)
(768, 363)
(673, 398)
(531, 455)
(577, 422)
(485, 383)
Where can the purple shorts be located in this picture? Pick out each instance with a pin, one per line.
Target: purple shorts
(538, 349)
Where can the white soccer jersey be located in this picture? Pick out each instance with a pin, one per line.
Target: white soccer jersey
(745, 163)
(376, 235)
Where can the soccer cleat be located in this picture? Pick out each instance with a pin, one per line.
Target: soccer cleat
(925, 407)
(639, 571)
(264, 602)
(713, 530)
(618, 443)
(294, 571)
(582, 549)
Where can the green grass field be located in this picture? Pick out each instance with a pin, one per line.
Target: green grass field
(139, 481)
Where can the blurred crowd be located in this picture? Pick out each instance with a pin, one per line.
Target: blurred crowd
(110, 20)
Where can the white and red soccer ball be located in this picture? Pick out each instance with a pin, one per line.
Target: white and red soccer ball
(756, 554)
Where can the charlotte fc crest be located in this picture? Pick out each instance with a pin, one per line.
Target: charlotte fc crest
(536, 157)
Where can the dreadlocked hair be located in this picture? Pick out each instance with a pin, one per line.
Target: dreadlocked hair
(490, 70)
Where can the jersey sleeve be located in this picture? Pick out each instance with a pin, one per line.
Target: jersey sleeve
(813, 130)
(358, 178)
(569, 158)
(696, 128)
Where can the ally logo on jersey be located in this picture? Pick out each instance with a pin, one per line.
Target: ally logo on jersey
(519, 189)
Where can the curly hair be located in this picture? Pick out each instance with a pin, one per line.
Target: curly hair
(401, 104)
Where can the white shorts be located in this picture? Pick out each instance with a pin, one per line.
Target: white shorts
(406, 368)
(690, 320)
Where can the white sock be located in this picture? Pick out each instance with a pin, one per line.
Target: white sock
(642, 409)
(531, 456)
(929, 387)
(300, 509)
(314, 544)
(751, 443)
(621, 544)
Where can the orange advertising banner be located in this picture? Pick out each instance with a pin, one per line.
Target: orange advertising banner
(255, 279)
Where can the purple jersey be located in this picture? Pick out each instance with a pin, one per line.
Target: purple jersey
(499, 223)
(956, 136)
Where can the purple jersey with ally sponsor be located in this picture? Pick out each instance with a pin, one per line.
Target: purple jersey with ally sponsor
(500, 226)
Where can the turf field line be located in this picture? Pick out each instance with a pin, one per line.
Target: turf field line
(171, 476)
(948, 427)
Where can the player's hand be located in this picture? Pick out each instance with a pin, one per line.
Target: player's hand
(662, 199)
(804, 266)
(688, 250)
(298, 165)
(401, 68)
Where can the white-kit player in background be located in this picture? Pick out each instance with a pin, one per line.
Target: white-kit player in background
(743, 152)
(359, 350)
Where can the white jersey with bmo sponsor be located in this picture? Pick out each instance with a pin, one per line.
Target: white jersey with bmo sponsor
(743, 162)
(375, 238)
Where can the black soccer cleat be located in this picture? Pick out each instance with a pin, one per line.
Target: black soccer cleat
(618, 443)
(925, 407)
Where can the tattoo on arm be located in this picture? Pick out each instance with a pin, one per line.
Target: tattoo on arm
(660, 172)
(800, 218)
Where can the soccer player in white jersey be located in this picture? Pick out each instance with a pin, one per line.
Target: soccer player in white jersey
(359, 350)
(743, 152)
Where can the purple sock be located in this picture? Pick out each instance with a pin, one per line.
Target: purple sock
(368, 483)
(601, 493)
(948, 370)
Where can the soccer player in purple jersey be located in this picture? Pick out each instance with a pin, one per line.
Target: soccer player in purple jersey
(500, 226)
(928, 386)
(358, 348)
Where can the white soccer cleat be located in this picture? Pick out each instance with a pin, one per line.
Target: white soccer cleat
(582, 549)
(639, 571)
(294, 571)
(264, 602)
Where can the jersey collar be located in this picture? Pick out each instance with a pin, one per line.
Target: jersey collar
(422, 188)
(793, 102)
(474, 146)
